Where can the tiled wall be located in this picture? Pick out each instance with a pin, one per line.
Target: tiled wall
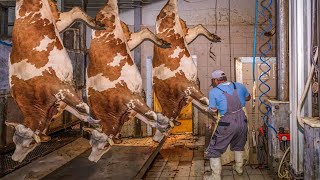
(241, 46)
(241, 35)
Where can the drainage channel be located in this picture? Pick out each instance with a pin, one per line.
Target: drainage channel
(59, 139)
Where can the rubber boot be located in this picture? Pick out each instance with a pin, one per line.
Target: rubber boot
(215, 164)
(238, 167)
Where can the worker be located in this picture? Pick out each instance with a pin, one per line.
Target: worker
(228, 99)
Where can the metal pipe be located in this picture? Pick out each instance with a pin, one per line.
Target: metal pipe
(283, 49)
(60, 5)
(149, 92)
(195, 111)
(83, 49)
(137, 57)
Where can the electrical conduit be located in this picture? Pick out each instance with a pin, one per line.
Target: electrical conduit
(254, 54)
(262, 58)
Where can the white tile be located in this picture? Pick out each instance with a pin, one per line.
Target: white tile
(202, 72)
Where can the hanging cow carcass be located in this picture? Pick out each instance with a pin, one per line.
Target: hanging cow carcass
(41, 73)
(114, 84)
(174, 72)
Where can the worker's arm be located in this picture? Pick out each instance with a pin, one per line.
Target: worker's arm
(212, 110)
(244, 92)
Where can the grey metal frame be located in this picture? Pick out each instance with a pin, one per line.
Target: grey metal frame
(3, 20)
(299, 64)
(137, 55)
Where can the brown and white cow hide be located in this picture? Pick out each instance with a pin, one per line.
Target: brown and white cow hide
(174, 72)
(114, 84)
(40, 71)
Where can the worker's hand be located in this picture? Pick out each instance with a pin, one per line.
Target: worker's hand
(213, 113)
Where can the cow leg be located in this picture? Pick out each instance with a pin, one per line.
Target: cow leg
(75, 105)
(193, 33)
(66, 19)
(198, 98)
(200, 105)
(159, 135)
(117, 139)
(148, 116)
(145, 34)
(82, 116)
(145, 120)
(134, 39)
(181, 105)
(57, 109)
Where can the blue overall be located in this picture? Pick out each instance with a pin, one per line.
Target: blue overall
(232, 128)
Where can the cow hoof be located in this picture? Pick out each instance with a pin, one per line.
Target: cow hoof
(215, 38)
(117, 141)
(176, 123)
(93, 122)
(166, 45)
(98, 25)
(44, 138)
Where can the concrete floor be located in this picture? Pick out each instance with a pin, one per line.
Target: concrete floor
(181, 158)
(128, 160)
(123, 162)
(42, 166)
